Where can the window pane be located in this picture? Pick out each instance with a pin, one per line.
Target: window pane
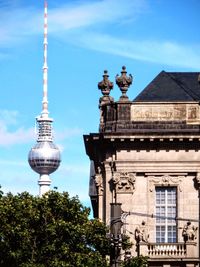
(160, 197)
(171, 196)
(160, 234)
(171, 234)
(160, 213)
(166, 214)
(171, 214)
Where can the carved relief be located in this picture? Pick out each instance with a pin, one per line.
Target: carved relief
(165, 112)
(99, 182)
(165, 180)
(192, 113)
(158, 112)
(124, 182)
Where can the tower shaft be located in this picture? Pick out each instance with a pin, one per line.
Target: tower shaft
(45, 66)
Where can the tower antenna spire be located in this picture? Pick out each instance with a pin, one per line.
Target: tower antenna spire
(45, 66)
(44, 157)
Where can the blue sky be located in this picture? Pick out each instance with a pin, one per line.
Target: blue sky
(85, 37)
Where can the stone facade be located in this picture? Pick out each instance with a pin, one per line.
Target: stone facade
(146, 156)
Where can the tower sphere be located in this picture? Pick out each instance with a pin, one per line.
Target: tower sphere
(44, 158)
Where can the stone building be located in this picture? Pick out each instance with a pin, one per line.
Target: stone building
(146, 156)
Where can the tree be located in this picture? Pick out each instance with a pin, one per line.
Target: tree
(140, 261)
(52, 231)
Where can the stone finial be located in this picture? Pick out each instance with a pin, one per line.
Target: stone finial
(105, 85)
(124, 82)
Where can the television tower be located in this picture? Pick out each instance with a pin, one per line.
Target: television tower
(44, 157)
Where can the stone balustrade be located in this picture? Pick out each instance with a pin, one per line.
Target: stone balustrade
(171, 250)
(168, 250)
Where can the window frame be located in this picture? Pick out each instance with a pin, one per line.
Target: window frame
(166, 206)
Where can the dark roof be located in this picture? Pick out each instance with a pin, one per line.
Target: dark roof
(172, 86)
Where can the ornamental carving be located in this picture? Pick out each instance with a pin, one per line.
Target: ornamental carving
(166, 112)
(165, 180)
(99, 182)
(124, 182)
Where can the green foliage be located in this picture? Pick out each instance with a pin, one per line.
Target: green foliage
(52, 231)
(126, 243)
(140, 261)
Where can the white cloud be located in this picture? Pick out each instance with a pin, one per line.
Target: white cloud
(20, 136)
(94, 12)
(9, 118)
(162, 52)
(79, 22)
(18, 23)
(11, 133)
